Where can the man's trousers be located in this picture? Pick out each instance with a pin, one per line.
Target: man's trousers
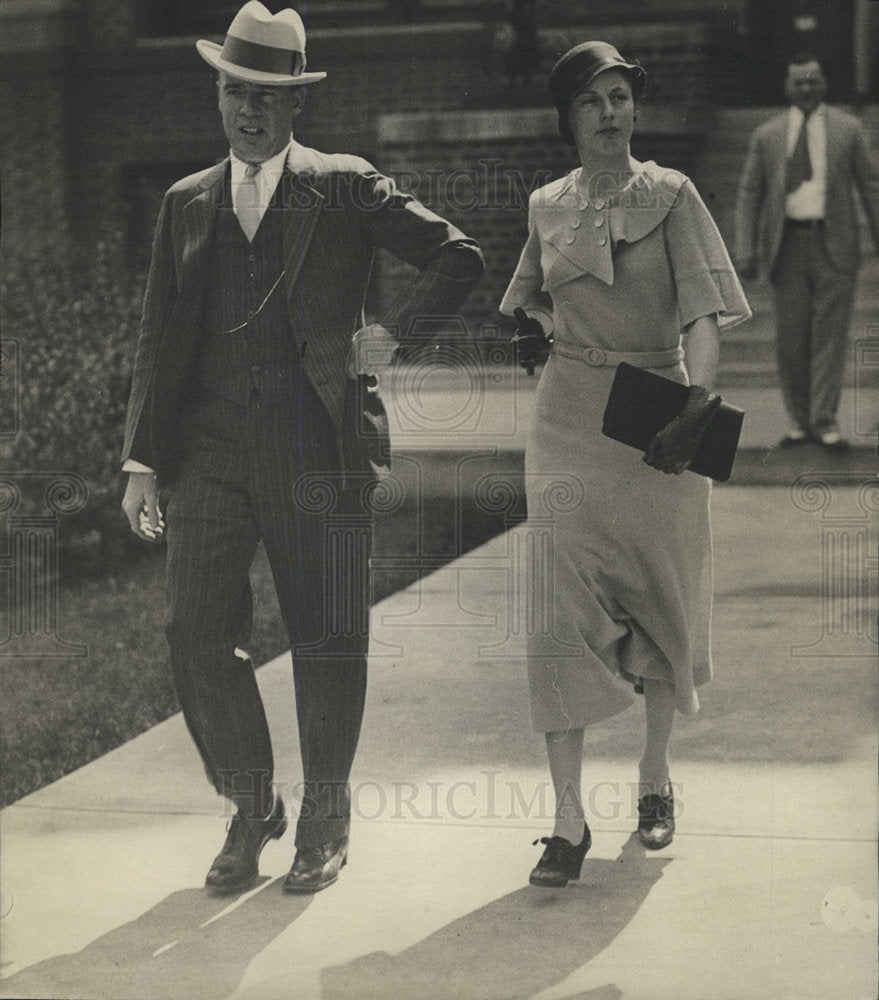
(813, 307)
(269, 472)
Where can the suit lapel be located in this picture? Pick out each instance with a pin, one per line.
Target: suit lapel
(302, 205)
(779, 152)
(832, 145)
(199, 222)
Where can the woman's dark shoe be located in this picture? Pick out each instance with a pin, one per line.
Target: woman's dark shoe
(561, 861)
(656, 820)
(236, 867)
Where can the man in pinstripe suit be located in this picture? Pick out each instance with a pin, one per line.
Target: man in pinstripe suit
(251, 410)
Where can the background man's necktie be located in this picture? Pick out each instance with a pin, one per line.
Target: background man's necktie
(248, 207)
(799, 166)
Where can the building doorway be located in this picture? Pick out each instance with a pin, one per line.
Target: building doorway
(779, 29)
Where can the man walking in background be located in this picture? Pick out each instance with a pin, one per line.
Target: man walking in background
(796, 213)
(249, 407)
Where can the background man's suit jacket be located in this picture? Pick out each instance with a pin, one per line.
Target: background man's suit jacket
(761, 204)
(335, 214)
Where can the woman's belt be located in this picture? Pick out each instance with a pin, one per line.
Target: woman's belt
(598, 356)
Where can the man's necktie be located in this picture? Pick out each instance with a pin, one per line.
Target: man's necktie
(799, 166)
(248, 208)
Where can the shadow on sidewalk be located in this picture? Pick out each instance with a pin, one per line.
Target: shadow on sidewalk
(185, 947)
(514, 947)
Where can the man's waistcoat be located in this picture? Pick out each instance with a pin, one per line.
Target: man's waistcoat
(247, 341)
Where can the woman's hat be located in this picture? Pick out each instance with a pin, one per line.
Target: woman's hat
(262, 47)
(579, 66)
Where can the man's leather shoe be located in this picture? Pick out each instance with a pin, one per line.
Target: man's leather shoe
(236, 867)
(315, 868)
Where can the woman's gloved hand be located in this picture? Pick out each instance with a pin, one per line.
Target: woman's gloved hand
(674, 446)
(532, 346)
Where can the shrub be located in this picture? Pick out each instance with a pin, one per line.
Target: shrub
(70, 322)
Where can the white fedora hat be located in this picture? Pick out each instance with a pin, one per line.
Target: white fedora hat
(262, 47)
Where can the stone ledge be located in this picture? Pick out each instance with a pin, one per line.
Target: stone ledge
(517, 123)
(35, 26)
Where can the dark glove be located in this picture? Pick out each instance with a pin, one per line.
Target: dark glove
(674, 446)
(532, 346)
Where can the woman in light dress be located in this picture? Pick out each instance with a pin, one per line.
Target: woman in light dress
(623, 262)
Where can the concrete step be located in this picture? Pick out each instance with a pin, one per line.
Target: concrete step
(748, 353)
(450, 428)
(865, 317)
(763, 375)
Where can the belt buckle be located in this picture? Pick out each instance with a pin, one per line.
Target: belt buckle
(595, 356)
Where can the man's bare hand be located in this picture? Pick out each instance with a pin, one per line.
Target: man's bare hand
(141, 506)
(372, 351)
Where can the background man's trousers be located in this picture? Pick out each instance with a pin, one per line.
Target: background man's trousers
(813, 307)
(240, 481)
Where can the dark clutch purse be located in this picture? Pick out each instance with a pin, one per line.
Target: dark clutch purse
(641, 403)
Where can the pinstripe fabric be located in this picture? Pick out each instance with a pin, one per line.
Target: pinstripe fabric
(238, 484)
(234, 454)
(252, 428)
(334, 217)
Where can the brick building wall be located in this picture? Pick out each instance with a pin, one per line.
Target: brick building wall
(477, 169)
(35, 124)
(113, 119)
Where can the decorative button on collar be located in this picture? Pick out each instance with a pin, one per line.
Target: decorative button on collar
(575, 222)
(602, 240)
(569, 239)
(599, 221)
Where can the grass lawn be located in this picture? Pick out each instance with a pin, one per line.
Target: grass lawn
(58, 714)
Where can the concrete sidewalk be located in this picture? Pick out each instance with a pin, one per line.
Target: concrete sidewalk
(768, 891)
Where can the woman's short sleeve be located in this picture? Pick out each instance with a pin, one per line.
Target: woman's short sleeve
(526, 286)
(706, 281)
